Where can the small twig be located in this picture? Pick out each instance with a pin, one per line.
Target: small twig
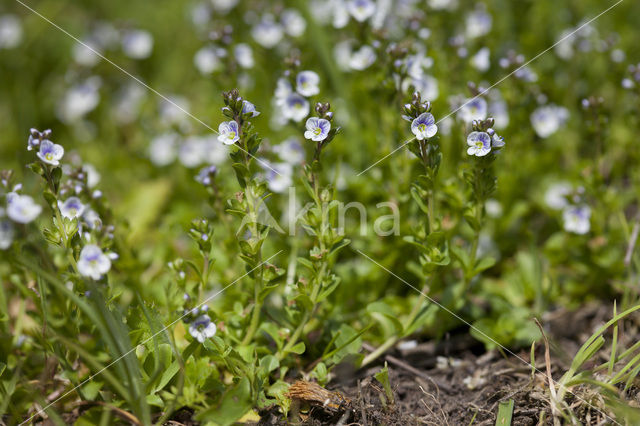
(547, 360)
(632, 244)
(118, 411)
(399, 363)
(363, 413)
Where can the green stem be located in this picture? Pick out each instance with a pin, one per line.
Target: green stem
(255, 315)
(468, 275)
(390, 342)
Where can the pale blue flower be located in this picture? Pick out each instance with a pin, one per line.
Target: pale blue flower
(93, 262)
(424, 127)
(307, 83)
(363, 58)
(202, 328)
(497, 141)
(207, 60)
(6, 234)
(556, 195)
(137, 44)
(478, 23)
(577, 219)
(279, 176)
(317, 129)
(163, 149)
(22, 208)
(71, 208)
(473, 109)
(479, 144)
(290, 151)
(361, 10)
(229, 133)
(50, 152)
(546, 120)
(294, 23)
(248, 107)
(35, 137)
(295, 107)
(267, 32)
(244, 55)
(205, 175)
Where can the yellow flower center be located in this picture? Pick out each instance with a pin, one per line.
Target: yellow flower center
(317, 131)
(48, 156)
(232, 135)
(422, 127)
(479, 144)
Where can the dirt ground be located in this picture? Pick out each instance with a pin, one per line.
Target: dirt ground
(456, 382)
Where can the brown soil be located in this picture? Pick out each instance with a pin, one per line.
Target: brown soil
(455, 382)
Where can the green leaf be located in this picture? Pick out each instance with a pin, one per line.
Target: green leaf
(298, 348)
(234, 404)
(505, 411)
(383, 377)
(143, 205)
(484, 264)
(386, 316)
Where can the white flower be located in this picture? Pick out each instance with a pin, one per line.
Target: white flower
(473, 109)
(479, 144)
(443, 4)
(547, 120)
(279, 176)
(71, 208)
(85, 53)
(556, 195)
(498, 110)
(478, 23)
(137, 44)
(342, 54)
(126, 107)
(317, 129)
(80, 100)
(92, 219)
(175, 110)
(283, 90)
(10, 32)
(290, 151)
(564, 44)
(93, 262)
(424, 126)
(50, 153)
(425, 84)
(6, 234)
(22, 208)
(244, 55)
(93, 177)
(295, 107)
(267, 33)
(216, 153)
(162, 150)
(362, 58)
(202, 328)
(223, 6)
(294, 23)
(577, 219)
(361, 10)
(307, 83)
(493, 208)
(480, 60)
(229, 133)
(192, 151)
(340, 13)
(207, 61)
